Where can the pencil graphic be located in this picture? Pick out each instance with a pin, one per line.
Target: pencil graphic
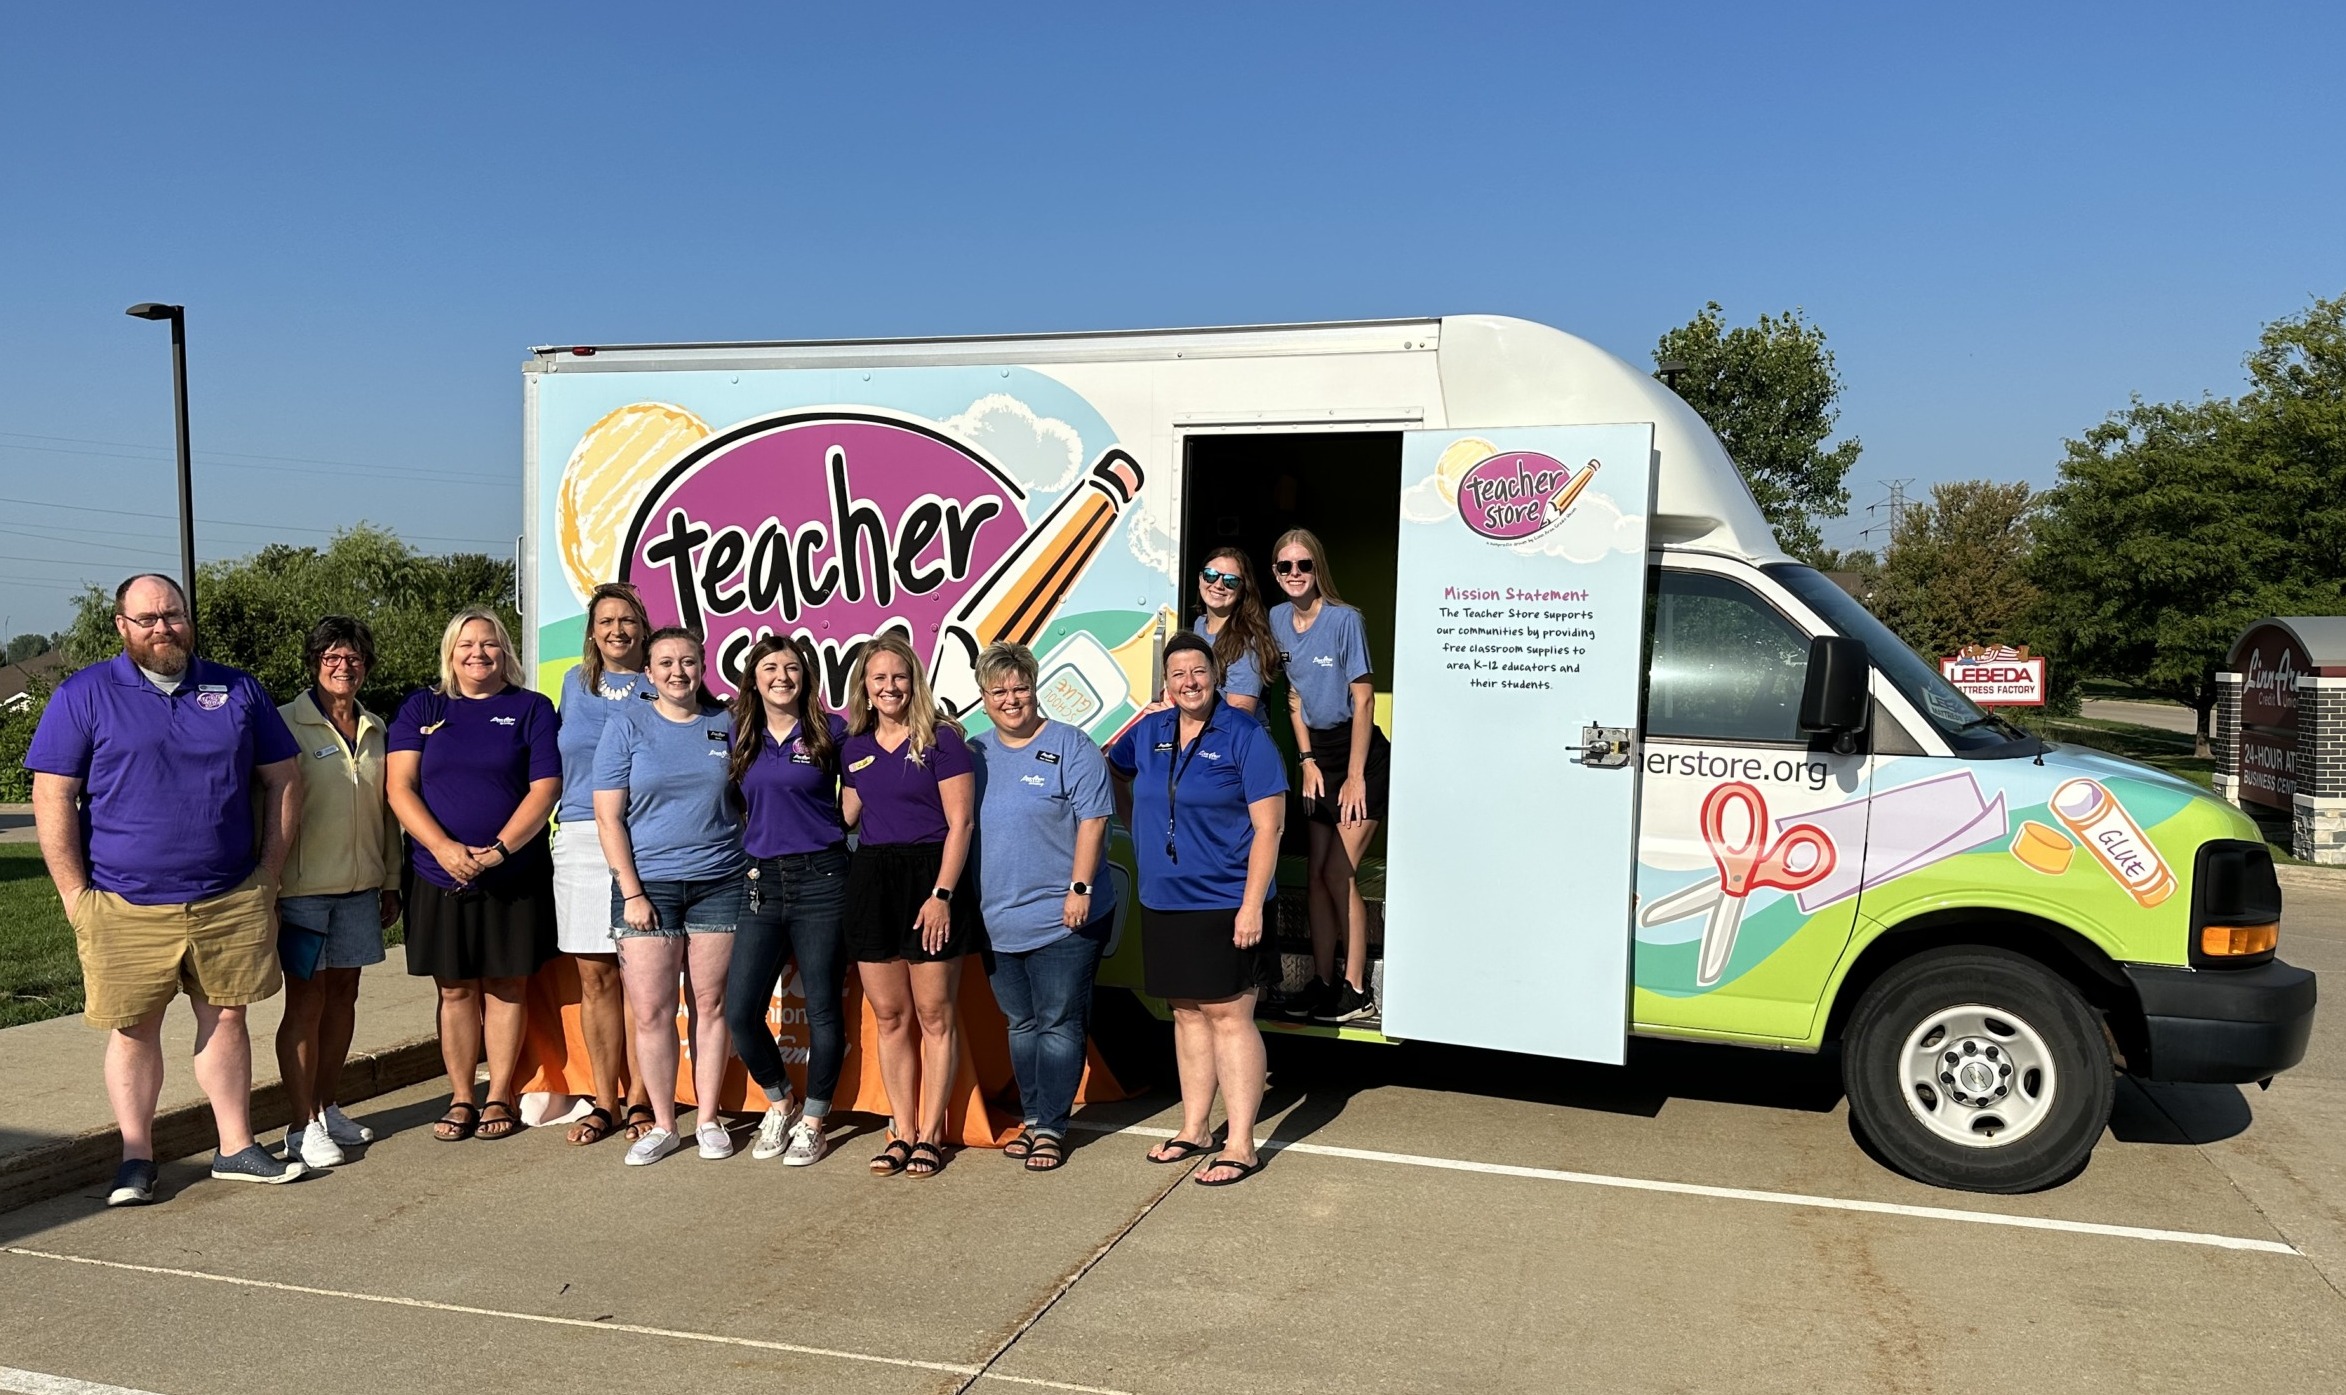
(1029, 583)
(1571, 491)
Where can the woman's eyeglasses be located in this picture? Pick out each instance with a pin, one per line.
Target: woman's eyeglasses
(1286, 565)
(1212, 577)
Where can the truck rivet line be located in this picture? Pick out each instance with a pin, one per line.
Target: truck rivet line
(389, 1300)
(1829, 1203)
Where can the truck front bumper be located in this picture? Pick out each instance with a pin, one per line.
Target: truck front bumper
(2223, 1026)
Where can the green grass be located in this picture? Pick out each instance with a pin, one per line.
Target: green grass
(40, 977)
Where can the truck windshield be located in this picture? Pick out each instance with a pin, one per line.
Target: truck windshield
(1958, 718)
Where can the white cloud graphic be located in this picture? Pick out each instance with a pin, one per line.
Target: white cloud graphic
(1427, 502)
(1044, 454)
(1595, 527)
(1149, 530)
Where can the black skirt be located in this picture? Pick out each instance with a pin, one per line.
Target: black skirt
(501, 927)
(1190, 954)
(1331, 749)
(887, 883)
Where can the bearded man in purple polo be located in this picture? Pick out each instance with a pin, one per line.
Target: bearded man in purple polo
(144, 772)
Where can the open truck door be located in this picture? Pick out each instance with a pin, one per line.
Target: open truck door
(1512, 836)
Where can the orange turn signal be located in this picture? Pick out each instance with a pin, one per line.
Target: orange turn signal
(2233, 941)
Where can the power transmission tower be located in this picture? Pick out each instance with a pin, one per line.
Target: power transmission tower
(1888, 511)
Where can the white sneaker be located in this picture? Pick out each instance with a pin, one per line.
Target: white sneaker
(714, 1141)
(345, 1130)
(656, 1144)
(314, 1146)
(780, 1117)
(806, 1143)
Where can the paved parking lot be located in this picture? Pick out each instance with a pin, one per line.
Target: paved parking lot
(1699, 1221)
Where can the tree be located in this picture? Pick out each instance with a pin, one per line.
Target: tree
(1956, 570)
(1769, 390)
(2176, 525)
(23, 647)
(253, 612)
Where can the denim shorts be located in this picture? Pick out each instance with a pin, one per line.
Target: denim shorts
(352, 924)
(705, 906)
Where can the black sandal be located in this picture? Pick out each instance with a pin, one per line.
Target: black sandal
(1020, 1145)
(1183, 1150)
(506, 1127)
(449, 1128)
(927, 1160)
(640, 1121)
(1046, 1154)
(888, 1161)
(596, 1126)
(1245, 1170)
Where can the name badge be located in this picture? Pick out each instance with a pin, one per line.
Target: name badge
(327, 752)
(211, 687)
(867, 760)
(1047, 757)
(1163, 746)
(716, 735)
(801, 758)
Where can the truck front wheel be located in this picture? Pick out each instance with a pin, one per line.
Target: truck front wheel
(1978, 1070)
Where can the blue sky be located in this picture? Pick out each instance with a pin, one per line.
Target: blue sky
(2007, 218)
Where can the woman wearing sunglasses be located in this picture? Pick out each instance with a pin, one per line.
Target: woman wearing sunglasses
(1241, 636)
(1331, 700)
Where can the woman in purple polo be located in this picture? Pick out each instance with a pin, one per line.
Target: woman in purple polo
(786, 767)
(473, 772)
(906, 777)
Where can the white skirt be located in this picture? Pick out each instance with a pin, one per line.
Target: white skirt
(582, 892)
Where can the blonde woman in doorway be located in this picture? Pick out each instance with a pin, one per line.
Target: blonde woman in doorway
(1331, 700)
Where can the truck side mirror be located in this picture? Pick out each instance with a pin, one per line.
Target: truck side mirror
(1838, 694)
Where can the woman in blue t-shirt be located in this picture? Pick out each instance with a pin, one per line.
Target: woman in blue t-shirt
(1200, 787)
(905, 781)
(1233, 619)
(785, 767)
(672, 834)
(1332, 702)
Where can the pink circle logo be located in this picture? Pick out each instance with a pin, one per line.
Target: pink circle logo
(1514, 494)
(835, 526)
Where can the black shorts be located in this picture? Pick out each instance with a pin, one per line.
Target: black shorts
(1331, 749)
(1190, 954)
(500, 927)
(887, 883)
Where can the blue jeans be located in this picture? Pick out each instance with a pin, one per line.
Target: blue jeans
(1047, 995)
(795, 912)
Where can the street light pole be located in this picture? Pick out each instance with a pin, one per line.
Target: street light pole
(177, 315)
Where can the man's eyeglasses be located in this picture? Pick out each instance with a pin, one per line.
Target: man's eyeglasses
(1286, 565)
(1212, 577)
(161, 619)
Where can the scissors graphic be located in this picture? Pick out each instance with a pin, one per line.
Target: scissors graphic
(1735, 824)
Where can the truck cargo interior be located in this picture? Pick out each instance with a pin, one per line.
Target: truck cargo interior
(1245, 489)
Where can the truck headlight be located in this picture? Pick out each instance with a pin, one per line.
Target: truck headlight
(2235, 905)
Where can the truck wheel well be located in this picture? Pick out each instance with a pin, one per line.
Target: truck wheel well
(2057, 947)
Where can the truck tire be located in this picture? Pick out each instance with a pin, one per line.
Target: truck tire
(1978, 1070)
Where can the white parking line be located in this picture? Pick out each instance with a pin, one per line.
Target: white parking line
(1829, 1203)
(35, 1383)
(390, 1300)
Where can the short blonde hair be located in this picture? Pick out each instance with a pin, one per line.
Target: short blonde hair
(509, 666)
(1001, 659)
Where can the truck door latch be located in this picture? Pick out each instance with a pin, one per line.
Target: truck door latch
(1605, 748)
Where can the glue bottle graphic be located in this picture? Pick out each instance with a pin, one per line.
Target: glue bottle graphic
(1017, 601)
(2090, 811)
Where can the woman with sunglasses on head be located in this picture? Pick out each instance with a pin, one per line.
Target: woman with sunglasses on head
(1234, 621)
(609, 676)
(906, 782)
(672, 834)
(785, 767)
(1332, 702)
(1201, 790)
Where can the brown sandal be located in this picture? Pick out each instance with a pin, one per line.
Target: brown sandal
(594, 1128)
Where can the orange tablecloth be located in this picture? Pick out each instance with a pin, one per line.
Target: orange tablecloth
(983, 1110)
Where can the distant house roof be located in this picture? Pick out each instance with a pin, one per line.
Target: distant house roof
(16, 678)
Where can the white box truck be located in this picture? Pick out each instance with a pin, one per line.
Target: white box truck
(1650, 775)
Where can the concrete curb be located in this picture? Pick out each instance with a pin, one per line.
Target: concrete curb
(90, 1158)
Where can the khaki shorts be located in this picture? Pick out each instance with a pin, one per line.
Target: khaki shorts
(136, 959)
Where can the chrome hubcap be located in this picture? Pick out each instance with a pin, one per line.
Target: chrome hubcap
(1977, 1076)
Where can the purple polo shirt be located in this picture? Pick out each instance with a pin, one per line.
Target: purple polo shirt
(168, 817)
(900, 799)
(480, 756)
(793, 802)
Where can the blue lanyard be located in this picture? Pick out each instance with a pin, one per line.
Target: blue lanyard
(1177, 767)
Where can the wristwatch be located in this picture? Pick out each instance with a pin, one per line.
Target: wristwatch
(1079, 888)
(943, 893)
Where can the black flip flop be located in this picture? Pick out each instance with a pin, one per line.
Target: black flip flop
(1245, 1170)
(1184, 1150)
(507, 1126)
(639, 1114)
(599, 1125)
(464, 1126)
(1046, 1154)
